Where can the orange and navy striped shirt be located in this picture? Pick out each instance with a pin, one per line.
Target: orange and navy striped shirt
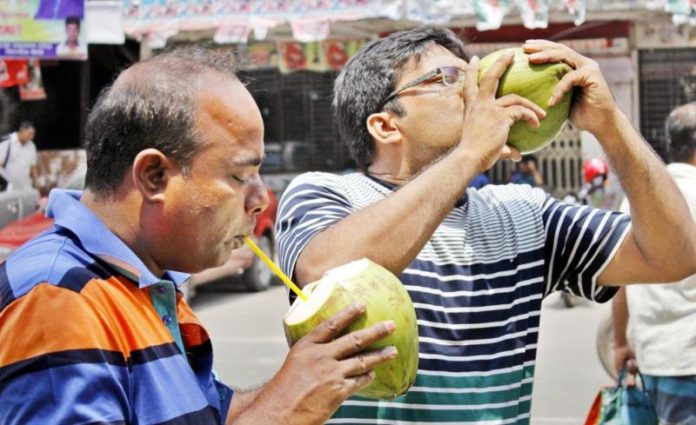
(89, 335)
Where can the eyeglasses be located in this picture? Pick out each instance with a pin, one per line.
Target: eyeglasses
(448, 75)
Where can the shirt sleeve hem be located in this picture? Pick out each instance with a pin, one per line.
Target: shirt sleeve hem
(601, 293)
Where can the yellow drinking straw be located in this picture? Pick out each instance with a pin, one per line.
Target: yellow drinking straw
(286, 280)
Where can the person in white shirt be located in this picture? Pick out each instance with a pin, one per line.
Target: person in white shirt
(18, 156)
(663, 317)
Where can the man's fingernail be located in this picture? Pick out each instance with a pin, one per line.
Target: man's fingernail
(551, 101)
(390, 325)
(391, 352)
(360, 306)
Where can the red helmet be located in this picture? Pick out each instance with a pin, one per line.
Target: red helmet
(595, 167)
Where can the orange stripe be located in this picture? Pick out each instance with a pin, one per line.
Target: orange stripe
(106, 315)
(131, 311)
(192, 331)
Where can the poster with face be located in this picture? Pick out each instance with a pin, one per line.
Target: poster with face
(46, 29)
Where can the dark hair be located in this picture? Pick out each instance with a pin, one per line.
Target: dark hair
(680, 128)
(369, 77)
(150, 105)
(72, 20)
(26, 124)
(530, 158)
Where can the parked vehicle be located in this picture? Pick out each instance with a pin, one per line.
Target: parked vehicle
(288, 156)
(16, 203)
(242, 267)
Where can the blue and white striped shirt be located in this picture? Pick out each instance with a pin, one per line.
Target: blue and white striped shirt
(477, 287)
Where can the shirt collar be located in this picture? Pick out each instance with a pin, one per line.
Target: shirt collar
(391, 186)
(69, 213)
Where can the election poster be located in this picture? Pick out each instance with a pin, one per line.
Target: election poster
(44, 29)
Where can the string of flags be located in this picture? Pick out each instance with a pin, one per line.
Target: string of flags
(235, 21)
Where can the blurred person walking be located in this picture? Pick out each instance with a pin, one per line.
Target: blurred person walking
(663, 317)
(527, 172)
(18, 156)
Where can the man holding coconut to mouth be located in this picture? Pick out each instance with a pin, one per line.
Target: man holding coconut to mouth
(477, 263)
(93, 326)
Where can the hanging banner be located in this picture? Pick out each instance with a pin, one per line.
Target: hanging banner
(299, 56)
(33, 89)
(490, 13)
(232, 34)
(256, 56)
(680, 7)
(534, 13)
(49, 29)
(578, 9)
(13, 72)
(338, 52)
(431, 12)
(683, 11)
(320, 56)
(309, 31)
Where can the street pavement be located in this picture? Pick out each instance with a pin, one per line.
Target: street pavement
(246, 329)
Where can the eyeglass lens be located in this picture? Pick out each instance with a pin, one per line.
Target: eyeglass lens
(450, 75)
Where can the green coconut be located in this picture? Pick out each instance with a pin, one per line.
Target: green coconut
(536, 83)
(385, 299)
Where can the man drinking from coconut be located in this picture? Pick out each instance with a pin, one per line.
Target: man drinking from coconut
(93, 326)
(477, 263)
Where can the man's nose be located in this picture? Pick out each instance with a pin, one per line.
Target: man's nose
(257, 199)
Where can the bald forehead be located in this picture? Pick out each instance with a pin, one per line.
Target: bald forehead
(685, 113)
(169, 72)
(226, 103)
(218, 90)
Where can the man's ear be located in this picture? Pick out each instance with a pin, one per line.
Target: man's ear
(151, 174)
(382, 127)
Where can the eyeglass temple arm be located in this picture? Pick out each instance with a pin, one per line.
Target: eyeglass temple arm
(413, 83)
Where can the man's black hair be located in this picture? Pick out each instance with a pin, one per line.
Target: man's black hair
(681, 133)
(532, 158)
(155, 108)
(72, 20)
(368, 78)
(26, 124)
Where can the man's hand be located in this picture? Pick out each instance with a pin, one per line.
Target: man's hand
(594, 108)
(487, 120)
(624, 355)
(321, 371)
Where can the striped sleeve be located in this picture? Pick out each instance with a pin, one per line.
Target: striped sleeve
(59, 363)
(580, 241)
(312, 203)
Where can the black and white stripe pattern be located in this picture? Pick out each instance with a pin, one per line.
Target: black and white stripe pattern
(478, 283)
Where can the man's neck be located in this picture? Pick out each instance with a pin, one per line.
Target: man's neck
(117, 216)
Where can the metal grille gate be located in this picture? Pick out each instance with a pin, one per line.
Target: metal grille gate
(560, 164)
(667, 80)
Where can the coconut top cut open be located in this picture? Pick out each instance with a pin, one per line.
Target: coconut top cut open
(319, 292)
